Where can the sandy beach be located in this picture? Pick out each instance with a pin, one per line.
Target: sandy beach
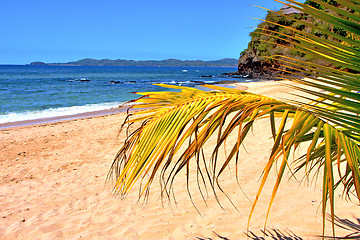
(52, 186)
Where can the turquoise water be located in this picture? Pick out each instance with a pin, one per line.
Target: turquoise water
(33, 92)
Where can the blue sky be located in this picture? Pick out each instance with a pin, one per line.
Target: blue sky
(68, 30)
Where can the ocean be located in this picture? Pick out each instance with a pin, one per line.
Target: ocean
(30, 92)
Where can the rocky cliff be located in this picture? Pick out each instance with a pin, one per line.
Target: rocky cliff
(267, 40)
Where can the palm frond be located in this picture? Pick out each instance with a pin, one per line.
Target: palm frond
(176, 125)
(189, 113)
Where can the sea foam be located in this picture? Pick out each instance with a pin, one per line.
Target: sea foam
(56, 112)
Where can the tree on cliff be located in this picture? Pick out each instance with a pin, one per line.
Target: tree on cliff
(318, 5)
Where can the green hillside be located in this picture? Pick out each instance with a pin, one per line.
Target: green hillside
(267, 40)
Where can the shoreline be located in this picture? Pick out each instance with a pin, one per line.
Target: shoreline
(62, 118)
(240, 85)
(103, 112)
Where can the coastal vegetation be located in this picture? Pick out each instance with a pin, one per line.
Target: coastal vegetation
(175, 126)
(270, 36)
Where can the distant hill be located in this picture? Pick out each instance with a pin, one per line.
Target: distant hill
(226, 62)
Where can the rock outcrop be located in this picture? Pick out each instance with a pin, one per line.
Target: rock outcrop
(271, 40)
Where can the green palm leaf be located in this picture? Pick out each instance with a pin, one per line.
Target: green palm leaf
(175, 126)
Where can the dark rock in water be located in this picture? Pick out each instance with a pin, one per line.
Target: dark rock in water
(206, 76)
(84, 80)
(114, 82)
(78, 80)
(197, 82)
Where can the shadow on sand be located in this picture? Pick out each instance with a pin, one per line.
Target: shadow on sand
(353, 226)
(276, 234)
(217, 237)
